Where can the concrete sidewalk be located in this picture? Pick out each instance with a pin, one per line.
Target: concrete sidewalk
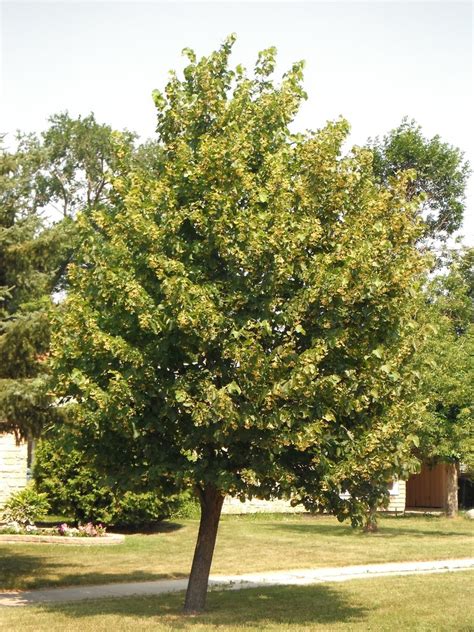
(234, 582)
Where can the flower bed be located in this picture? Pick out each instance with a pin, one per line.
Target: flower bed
(62, 534)
(109, 538)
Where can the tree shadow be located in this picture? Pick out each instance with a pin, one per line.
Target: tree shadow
(159, 527)
(288, 605)
(344, 531)
(16, 566)
(163, 526)
(18, 571)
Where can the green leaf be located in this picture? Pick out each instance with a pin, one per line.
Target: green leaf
(414, 439)
(180, 396)
(233, 387)
(189, 53)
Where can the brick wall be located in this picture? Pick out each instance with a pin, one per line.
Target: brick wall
(13, 464)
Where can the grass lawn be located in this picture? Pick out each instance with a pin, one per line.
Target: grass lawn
(245, 544)
(422, 603)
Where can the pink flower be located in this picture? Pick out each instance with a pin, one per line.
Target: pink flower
(63, 529)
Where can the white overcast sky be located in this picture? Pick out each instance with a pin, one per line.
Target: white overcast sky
(373, 62)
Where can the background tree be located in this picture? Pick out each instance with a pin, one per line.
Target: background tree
(447, 364)
(77, 157)
(441, 174)
(27, 259)
(441, 178)
(240, 318)
(64, 169)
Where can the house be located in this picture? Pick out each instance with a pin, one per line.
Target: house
(428, 490)
(235, 506)
(15, 459)
(434, 487)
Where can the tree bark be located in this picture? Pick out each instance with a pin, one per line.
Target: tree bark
(451, 504)
(211, 500)
(371, 525)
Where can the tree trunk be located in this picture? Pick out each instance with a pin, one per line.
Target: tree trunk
(451, 504)
(211, 500)
(371, 525)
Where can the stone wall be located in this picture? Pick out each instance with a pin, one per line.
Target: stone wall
(13, 465)
(235, 506)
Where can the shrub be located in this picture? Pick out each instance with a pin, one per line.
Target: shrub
(187, 507)
(140, 509)
(75, 487)
(26, 506)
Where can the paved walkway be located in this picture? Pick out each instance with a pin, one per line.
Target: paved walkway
(234, 582)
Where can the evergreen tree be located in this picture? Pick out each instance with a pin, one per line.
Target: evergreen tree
(26, 263)
(42, 186)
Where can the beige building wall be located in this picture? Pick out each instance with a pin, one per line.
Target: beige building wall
(13, 465)
(235, 506)
(398, 495)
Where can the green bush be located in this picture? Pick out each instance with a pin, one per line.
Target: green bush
(186, 507)
(140, 509)
(75, 488)
(26, 506)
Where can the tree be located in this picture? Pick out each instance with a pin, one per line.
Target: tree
(64, 169)
(440, 181)
(77, 157)
(27, 259)
(447, 363)
(241, 315)
(441, 174)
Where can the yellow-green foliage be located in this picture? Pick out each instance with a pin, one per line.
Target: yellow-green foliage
(244, 306)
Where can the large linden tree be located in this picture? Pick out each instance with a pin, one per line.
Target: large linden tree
(243, 309)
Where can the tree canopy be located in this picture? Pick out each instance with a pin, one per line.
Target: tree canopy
(448, 364)
(27, 259)
(243, 308)
(64, 168)
(441, 174)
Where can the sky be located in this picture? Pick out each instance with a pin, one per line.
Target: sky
(371, 62)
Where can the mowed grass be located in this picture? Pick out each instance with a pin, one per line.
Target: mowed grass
(421, 602)
(245, 544)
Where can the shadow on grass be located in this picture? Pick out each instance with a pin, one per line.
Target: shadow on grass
(159, 527)
(292, 605)
(164, 526)
(17, 568)
(343, 531)
(21, 571)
